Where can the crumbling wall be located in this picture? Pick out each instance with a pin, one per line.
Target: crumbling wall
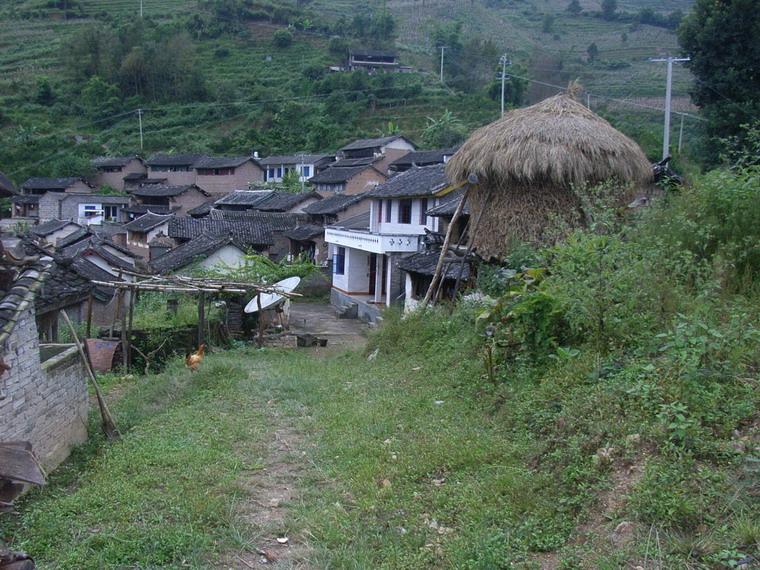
(43, 403)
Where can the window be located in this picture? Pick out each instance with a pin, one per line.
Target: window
(379, 211)
(388, 204)
(306, 171)
(339, 261)
(423, 209)
(90, 210)
(270, 174)
(405, 212)
(110, 212)
(279, 172)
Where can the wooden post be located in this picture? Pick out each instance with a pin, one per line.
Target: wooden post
(201, 317)
(108, 423)
(124, 339)
(470, 242)
(89, 316)
(116, 313)
(260, 340)
(132, 296)
(445, 249)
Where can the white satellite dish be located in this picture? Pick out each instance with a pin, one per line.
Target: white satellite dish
(270, 299)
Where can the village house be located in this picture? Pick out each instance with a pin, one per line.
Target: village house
(386, 149)
(221, 175)
(421, 158)
(137, 179)
(26, 204)
(307, 165)
(204, 251)
(52, 231)
(365, 255)
(309, 236)
(82, 208)
(142, 230)
(372, 60)
(157, 198)
(43, 390)
(267, 201)
(112, 171)
(349, 176)
(173, 169)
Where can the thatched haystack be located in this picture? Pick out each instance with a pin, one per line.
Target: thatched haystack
(527, 164)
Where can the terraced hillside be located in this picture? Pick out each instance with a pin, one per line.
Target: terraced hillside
(271, 99)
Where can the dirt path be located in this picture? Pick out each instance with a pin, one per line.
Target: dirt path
(319, 319)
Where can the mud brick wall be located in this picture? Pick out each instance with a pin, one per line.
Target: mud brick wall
(44, 403)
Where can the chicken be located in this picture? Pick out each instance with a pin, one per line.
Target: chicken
(193, 360)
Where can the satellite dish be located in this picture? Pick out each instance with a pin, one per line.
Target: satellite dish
(271, 299)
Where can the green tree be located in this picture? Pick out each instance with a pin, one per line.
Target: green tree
(574, 7)
(444, 132)
(282, 38)
(100, 98)
(721, 37)
(592, 51)
(608, 9)
(547, 23)
(44, 94)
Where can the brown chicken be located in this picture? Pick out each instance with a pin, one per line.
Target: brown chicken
(193, 360)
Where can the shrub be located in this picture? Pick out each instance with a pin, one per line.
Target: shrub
(282, 38)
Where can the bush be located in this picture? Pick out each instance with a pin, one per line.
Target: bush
(282, 38)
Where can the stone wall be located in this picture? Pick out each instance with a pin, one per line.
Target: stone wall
(44, 403)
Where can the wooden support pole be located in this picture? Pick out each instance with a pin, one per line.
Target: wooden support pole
(124, 339)
(201, 318)
(116, 313)
(132, 295)
(108, 423)
(444, 249)
(89, 316)
(260, 340)
(471, 242)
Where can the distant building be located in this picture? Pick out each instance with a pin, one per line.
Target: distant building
(163, 198)
(38, 185)
(348, 176)
(112, 171)
(306, 165)
(421, 158)
(372, 60)
(267, 201)
(82, 208)
(142, 230)
(385, 149)
(174, 169)
(221, 175)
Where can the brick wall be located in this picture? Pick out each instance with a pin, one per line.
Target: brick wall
(45, 404)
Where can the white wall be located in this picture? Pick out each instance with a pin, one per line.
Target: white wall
(229, 256)
(393, 227)
(355, 278)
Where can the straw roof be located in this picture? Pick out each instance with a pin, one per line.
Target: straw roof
(557, 141)
(527, 165)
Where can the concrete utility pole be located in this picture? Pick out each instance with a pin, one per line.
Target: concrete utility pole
(139, 120)
(504, 63)
(141, 8)
(668, 93)
(443, 48)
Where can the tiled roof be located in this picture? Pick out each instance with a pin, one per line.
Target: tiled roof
(75, 236)
(221, 161)
(293, 159)
(195, 249)
(349, 162)
(26, 199)
(161, 159)
(243, 197)
(333, 175)
(371, 52)
(333, 204)
(164, 191)
(449, 204)
(256, 229)
(305, 232)
(422, 158)
(113, 161)
(147, 222)
(62, 288)
(145, 208)
(279, 201)
(362, 144)
(202, 210)
(417, 181)
(50, 227)
(42, 183)
(424, 263)
(135, 177)
(21, 294)
(358, 222)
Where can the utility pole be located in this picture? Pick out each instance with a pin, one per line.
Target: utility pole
(443, 48)
(588, 100)
(504, 63)
(139, 120)
(141, 8)
(668, 93)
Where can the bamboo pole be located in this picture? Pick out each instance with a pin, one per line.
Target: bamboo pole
(124, 339)
(116, 312)
(471, 242)
(201, 317)
(89, 316)
(108, 424)
(132, 295)
(444, 249)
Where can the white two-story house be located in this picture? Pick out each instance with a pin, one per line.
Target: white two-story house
(366, 250)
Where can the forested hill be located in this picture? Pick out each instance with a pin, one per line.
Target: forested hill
(233, 76)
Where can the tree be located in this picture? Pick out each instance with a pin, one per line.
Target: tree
(282, 38)
(548, 23)
(592, 51)
(720, 36)
(100, 99)
(608, 9)
(443, 132)
(574, 7)
(44, 95)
